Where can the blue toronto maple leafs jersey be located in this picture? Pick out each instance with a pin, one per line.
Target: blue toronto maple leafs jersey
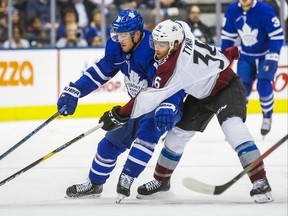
(137, 68)
(259, 29)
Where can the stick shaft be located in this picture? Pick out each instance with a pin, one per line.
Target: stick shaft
(50, 154)
(201, 187)
(222, 188)
(32, 133)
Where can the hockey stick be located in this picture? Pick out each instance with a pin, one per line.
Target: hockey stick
(33, 132)
(50, 154)
(201, 187)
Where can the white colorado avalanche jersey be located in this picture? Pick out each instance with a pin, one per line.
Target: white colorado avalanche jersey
(194, 67)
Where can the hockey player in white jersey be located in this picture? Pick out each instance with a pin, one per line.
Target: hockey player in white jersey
(127, 51)
(212, 88)
(261, 38)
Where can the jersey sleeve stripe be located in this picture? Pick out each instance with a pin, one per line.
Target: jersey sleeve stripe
(228, 38)
(91, 78)
(229, 34)
(278, 38)
(100, 74)
(276, 32)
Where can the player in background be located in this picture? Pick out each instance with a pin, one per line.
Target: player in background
(212, 88)
(127, 51)
(261, 37)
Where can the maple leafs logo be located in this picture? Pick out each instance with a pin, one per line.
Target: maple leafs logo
(134, 83)
(131, 15)
(123, 18)
(134, 77)
(248, 36)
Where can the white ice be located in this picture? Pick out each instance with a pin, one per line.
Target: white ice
(40, 190)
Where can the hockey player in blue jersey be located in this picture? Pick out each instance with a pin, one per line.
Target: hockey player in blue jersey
(261, 38)
(127, 51)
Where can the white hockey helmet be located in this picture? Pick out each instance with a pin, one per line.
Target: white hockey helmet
(168, 31)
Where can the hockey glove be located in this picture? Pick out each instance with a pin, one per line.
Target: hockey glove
(232, 53)
(69, 98)
(112, 120)
(271, 63)
(164, 117)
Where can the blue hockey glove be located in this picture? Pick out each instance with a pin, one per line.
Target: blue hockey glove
(112, 120)
(69, 98)
(271, 63)
(164, 117)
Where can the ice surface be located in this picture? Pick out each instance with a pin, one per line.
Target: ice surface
(40, 191)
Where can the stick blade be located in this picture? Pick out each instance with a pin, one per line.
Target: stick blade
(197, 186)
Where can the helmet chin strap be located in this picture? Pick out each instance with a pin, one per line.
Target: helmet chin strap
(135, 44)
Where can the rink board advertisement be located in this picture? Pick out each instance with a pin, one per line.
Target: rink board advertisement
(32, 80)
(73, 64)
(28, 78)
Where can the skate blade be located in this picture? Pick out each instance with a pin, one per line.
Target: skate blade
(158, 195)
(84, 197)
(263, 198)
(120, 197)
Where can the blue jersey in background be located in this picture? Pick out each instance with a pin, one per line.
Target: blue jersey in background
(259, 29)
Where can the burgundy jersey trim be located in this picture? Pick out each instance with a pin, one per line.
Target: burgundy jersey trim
(225, 76)
(166, 69)
(126, 110)
(223, 80)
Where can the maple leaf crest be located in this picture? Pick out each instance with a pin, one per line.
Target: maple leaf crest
(248, 36)
(134, 84)
(134, 77)
(131, 15)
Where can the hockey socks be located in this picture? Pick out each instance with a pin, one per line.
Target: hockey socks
(248, 153)
(166, 164)
(138, 157)
(104, 161)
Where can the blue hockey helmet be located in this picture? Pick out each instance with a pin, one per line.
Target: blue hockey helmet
(126, 21)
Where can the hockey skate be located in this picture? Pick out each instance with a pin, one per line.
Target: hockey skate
(123, 186)
(152, 188)
(266, 125)
(85, 190)
(261, 191)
